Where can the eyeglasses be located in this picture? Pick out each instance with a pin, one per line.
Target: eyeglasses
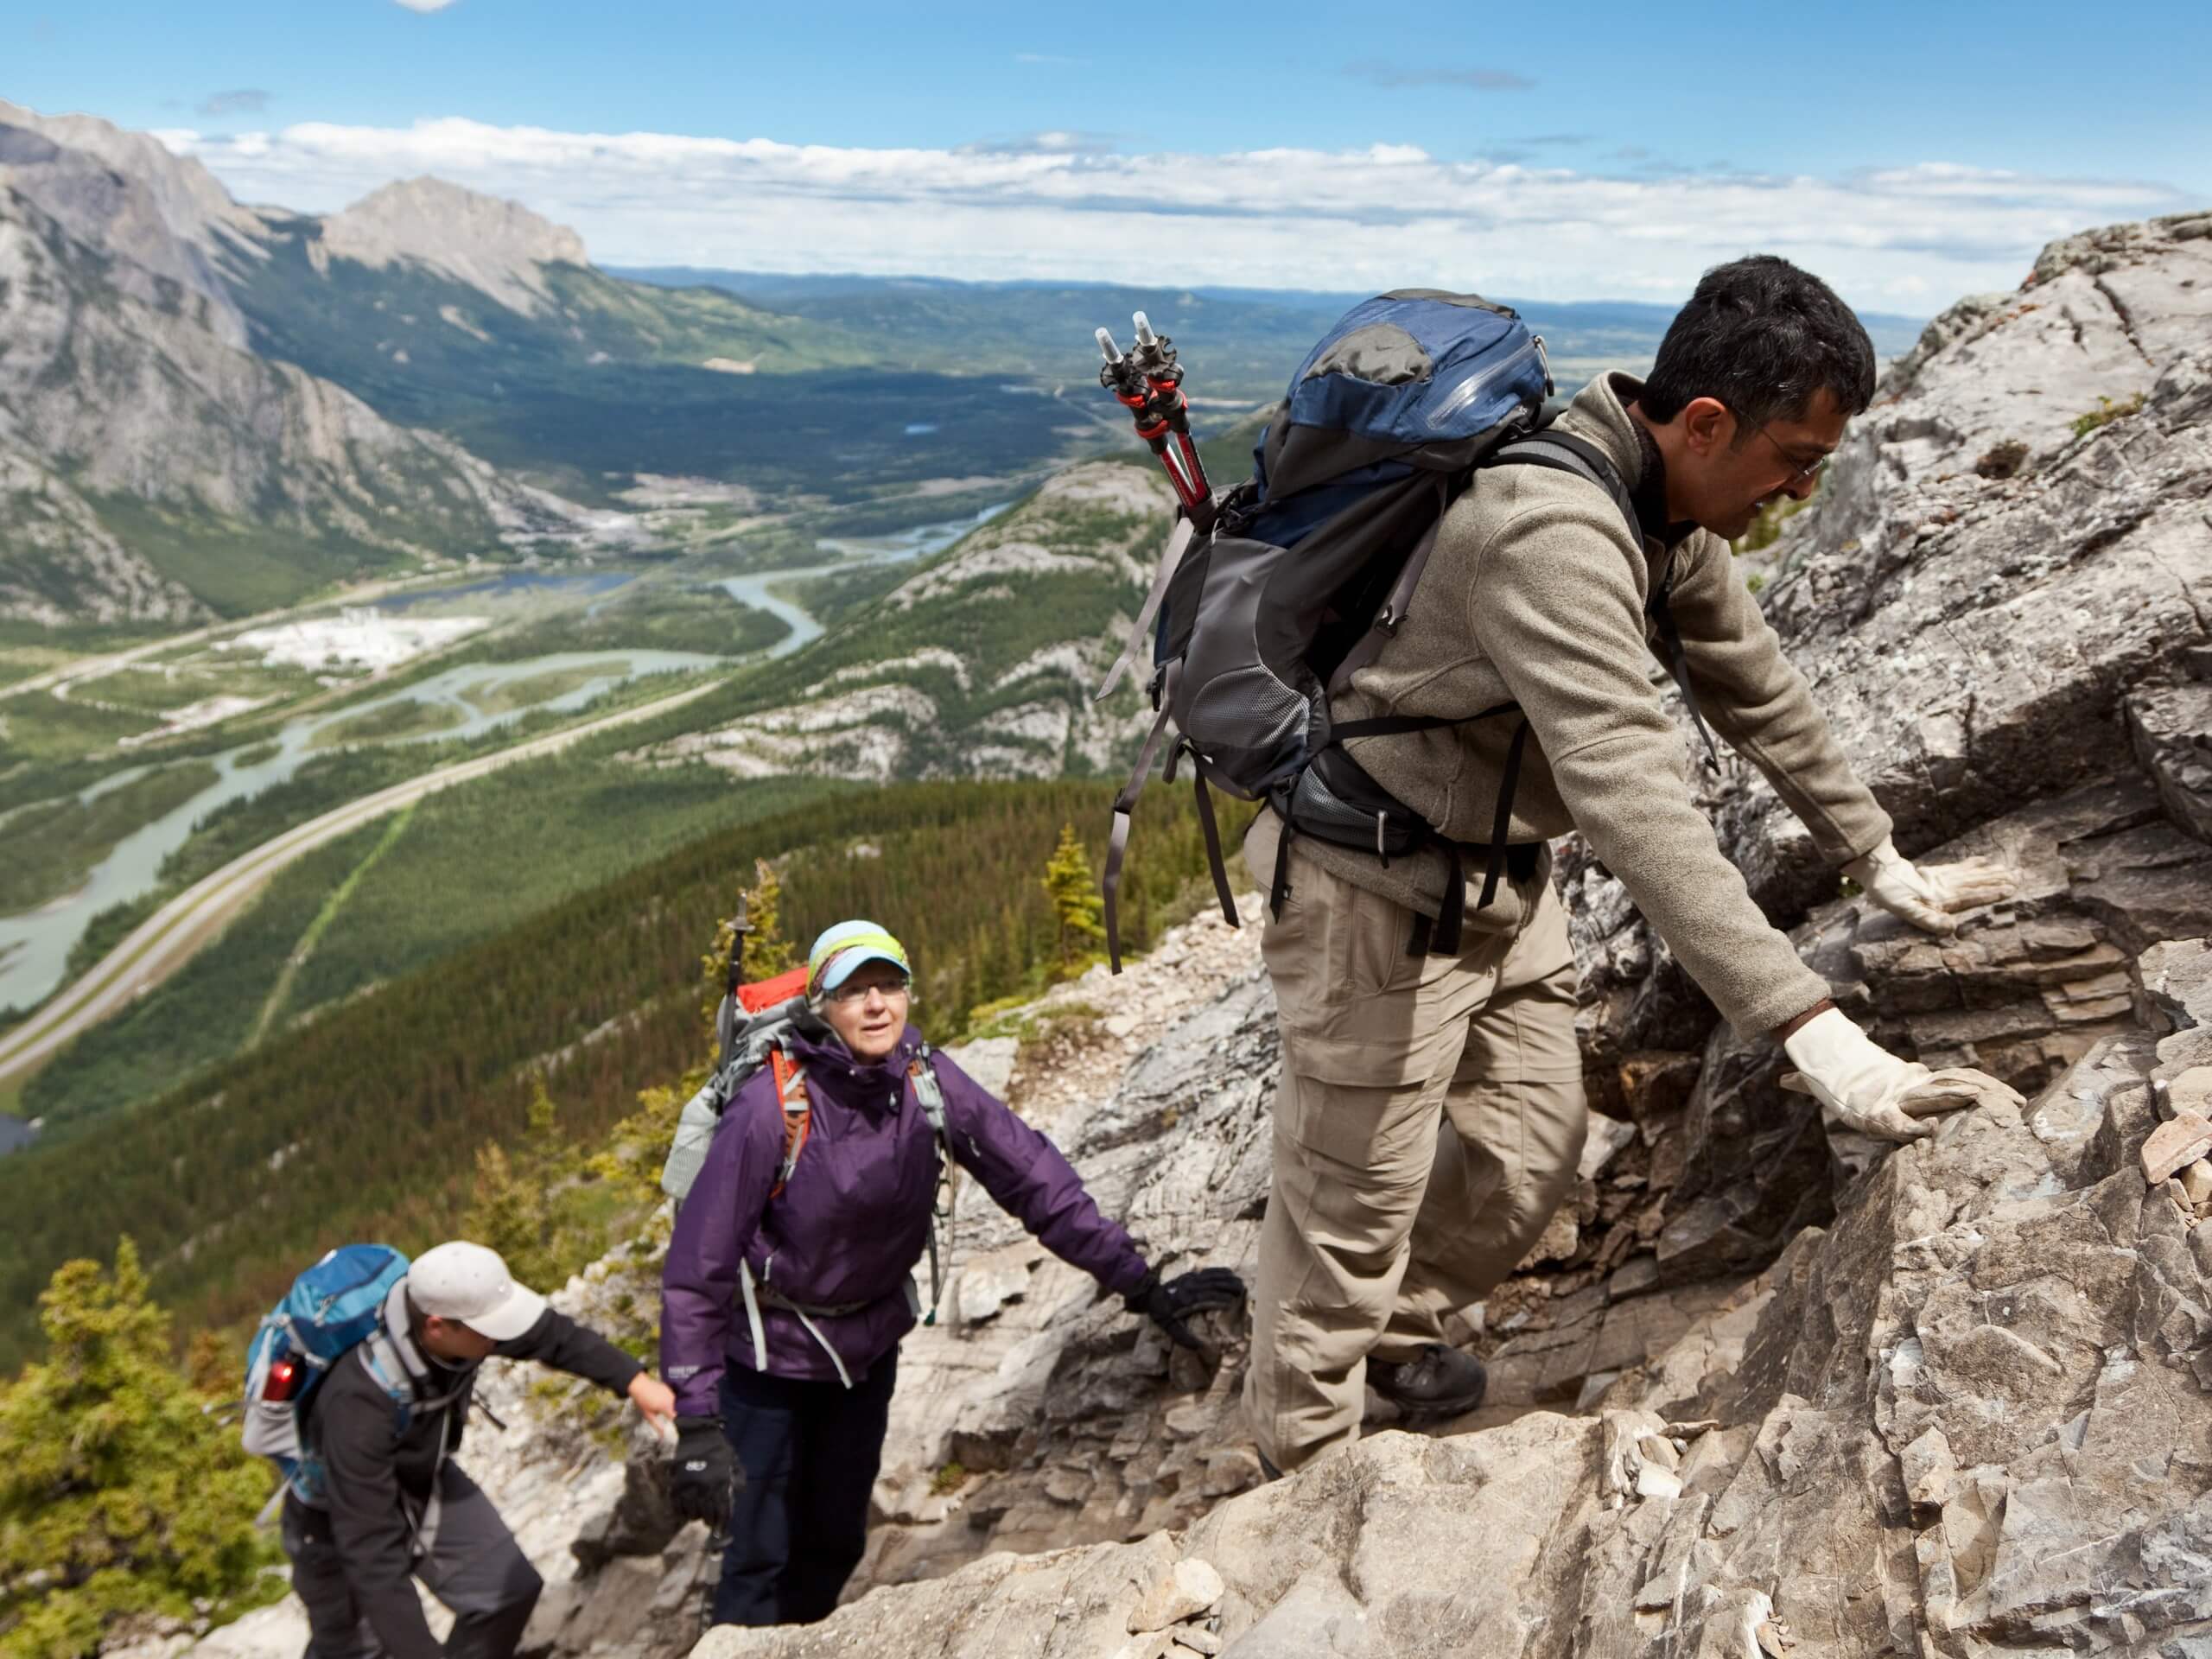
(1804, 474)
(851, 992)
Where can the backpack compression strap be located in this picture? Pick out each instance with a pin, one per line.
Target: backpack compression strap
(798, 1113)
(931, 1093)
(1562, 451)
(1178, 541)
(1117, 844)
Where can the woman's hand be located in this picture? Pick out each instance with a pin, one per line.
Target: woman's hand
(1168, 1304)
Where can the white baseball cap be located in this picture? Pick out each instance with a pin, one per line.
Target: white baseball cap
(471, 1284)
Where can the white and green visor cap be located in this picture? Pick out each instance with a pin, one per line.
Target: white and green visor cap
(843, 948)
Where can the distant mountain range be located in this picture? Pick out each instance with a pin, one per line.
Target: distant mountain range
(210, 408)
(1238, 342)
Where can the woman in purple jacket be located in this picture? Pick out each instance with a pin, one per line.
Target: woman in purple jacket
(786, 1294)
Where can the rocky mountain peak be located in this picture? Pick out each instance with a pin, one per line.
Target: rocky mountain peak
(117, 211)
(192, 203)
(493, 245)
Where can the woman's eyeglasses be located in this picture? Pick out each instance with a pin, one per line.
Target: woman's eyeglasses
(850, 992)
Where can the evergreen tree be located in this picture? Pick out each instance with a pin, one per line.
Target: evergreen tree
(1075, 903)
(118, 1495)
(512, 1210)
(768, 952)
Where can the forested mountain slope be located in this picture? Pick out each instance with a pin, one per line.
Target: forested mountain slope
(978, 662)
(367, 1119)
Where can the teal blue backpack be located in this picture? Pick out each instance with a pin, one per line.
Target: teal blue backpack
(331, 1309)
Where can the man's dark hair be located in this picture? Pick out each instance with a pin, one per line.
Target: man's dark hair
(1763, 337)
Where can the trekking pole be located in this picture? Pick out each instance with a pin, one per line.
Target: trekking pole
(1148, 383)
(740, 929)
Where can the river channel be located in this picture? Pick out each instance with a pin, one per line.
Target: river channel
(853, 553)
(35, 945)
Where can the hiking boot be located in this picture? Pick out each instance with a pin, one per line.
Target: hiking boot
(1440, 1383)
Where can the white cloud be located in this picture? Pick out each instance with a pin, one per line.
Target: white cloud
(1384, 215)
(426, 5)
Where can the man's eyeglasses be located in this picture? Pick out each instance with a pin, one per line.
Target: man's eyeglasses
(1806, 472)
(852, 992)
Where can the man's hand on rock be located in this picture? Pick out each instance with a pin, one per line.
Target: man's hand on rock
(1926, 896)
(656, 1401)
(1873, 1092)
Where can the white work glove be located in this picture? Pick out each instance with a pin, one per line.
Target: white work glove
(1924, 897)
(1872, 1090)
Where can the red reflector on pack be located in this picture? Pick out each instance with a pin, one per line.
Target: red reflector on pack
(284, 1377)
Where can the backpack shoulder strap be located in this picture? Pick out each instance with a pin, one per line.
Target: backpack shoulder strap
(921, 1071)
(1563, 452)
(793, 1101)
(389, 1356)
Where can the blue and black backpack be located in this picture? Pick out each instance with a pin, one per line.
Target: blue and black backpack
(331, 1309)
(1307, 570)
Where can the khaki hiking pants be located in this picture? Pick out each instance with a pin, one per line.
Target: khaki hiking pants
(1429, 1120)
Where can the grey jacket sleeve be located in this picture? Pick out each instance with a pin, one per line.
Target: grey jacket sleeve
(1756, 699)
(559, 1341)
(1567, 636)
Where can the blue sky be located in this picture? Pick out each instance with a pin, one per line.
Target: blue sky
(1606, 149)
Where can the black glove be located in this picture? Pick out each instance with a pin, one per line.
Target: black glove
(1167, 1304)
(705, 1473)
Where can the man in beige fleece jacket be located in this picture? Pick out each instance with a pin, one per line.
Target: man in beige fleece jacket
(1430, 1116)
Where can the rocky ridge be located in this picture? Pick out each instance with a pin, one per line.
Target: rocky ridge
(1764, 1387)
(965, 668)
(499, 248)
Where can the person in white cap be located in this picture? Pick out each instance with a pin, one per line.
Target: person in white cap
(387, 1421)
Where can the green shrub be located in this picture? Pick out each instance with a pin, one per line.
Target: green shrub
(118, 1494)
(2105, 414)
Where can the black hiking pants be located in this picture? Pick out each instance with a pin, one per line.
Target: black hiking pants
(798, 1524)
(474, 1567)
